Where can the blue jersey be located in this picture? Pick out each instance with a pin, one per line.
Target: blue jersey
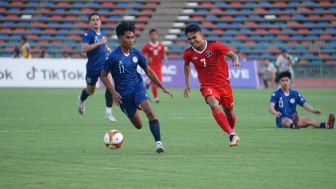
(286, 104)
(96, 56)
(124, 70)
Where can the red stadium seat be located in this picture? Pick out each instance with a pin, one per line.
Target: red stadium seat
(217, 30)
(326, 36)
(285, 16)
(50, 30)
(17, 3)
(241, 36)
(260, 30)
(150, 4)
(235, 4)
(293, 23)
(226, 17)
(207, 24)
(147, 11)
(143, 17)
(63, 4)
(250, 24)
(117, 11)
(107, 4)
(216, 10)
(303, 30)
(260, 10)
(314, 16)
(279, 3)
(304, 9)
(197, 17)
(44, 10)
(57, 17)
(283, 36)
(273, 30)
(324, 2)
(206, 4)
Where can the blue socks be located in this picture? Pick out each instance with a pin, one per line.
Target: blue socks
(154, 126)
(108, 99)
(83, 95)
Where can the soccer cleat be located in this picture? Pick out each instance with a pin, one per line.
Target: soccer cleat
(159, 147)
(331, 121)
(234, 139)
(110, 117)
(80, 106)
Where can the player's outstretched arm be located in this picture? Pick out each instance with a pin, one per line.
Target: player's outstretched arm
(88, 47)
(116, 96)
(187, 80)
(234, 57)
(152, 76)
(309, 108)
(273, 111)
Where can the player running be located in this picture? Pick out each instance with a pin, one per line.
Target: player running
(129, 91)
(94, 45)
(283, 106)
(154, 51)
(213, 75)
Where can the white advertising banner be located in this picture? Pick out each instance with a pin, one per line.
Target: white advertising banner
(53, 73)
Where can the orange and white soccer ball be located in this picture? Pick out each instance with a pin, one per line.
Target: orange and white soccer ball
(113, 139)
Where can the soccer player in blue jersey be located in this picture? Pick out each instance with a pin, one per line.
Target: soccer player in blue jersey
(94, 45)
(283, 106)
(129, 91)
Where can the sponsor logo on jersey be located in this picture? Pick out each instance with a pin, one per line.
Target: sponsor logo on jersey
(208, 54)
(194, 58)
(135, 59)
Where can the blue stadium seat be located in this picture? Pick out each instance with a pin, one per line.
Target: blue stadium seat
(246, 10)
(211, 17)
(295, 2)
(121, 4)
(245, 30)
(131, 10)
(78, 3)
(75, 10)
(202, 10)
(8, 23)
(221, 4)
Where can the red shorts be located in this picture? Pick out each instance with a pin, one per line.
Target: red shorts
(158, 72)
(223, 95)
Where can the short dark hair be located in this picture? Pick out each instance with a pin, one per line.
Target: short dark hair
(124, 27)
(284, 74)
(93, 14)
(152, 30)
(192, 28)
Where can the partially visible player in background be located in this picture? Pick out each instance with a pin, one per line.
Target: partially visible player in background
(129, 91)
(25, 48)
(94, 45)
(154, 51)
(283, 106)
(208, 58)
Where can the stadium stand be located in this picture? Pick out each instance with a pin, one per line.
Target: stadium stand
(58, 25)
(307, 29)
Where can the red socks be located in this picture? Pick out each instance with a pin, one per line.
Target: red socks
(155, 91)
(232, 120)
(222, 121)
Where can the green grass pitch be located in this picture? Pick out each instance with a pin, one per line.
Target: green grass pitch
(45, 143)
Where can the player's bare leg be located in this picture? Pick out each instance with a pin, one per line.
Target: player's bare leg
(154, 125)
(222, 121)
(89, 90)
(136, 120)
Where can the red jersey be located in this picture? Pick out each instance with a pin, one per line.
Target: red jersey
(210, 64)
(155, 54)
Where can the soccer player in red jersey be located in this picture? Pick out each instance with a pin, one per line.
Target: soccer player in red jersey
(213, 75)
(154, 51)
